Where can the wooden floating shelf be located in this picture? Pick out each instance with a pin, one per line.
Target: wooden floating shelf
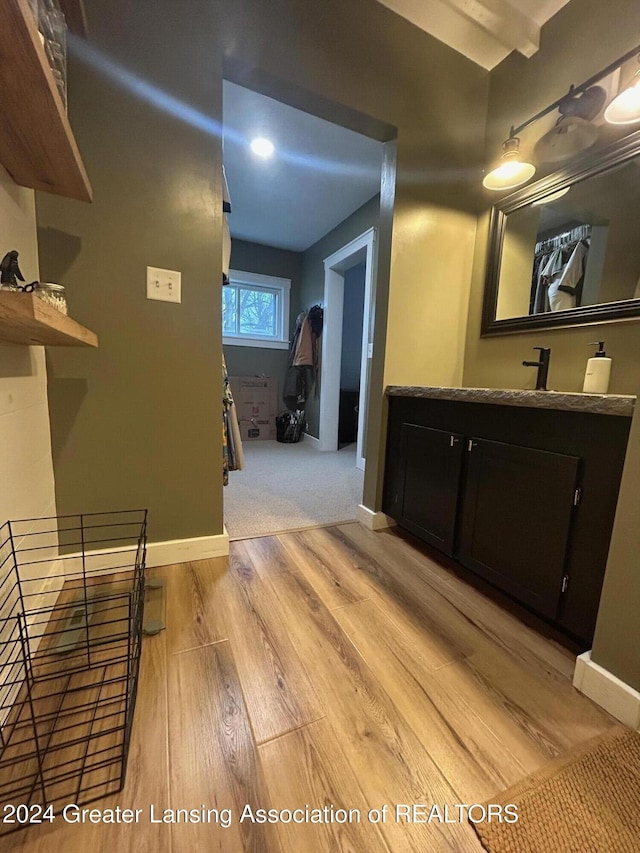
(37, 146)
(27, 319)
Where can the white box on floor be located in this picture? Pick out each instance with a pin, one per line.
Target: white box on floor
(256, 399)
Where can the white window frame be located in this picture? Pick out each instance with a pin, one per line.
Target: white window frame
(268, 282)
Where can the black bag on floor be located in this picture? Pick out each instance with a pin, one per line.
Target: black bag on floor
(290, 426)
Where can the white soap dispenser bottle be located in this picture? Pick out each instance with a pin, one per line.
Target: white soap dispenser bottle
(596, 377)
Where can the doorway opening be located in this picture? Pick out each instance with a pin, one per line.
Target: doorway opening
(360, 251)
(304, 218)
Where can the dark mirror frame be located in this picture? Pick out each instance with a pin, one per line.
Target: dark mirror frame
(587, 166)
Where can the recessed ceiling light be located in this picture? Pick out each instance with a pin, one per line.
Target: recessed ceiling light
(262, 147)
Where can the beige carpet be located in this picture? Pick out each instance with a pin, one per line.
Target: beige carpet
(585, 802)
(291, 486)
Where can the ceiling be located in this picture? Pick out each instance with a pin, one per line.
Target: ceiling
(485, 31)
(319, 174)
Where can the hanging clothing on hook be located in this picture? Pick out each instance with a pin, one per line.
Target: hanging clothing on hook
(566, 290)
(558, 271)
(303, 352)
(302, 372)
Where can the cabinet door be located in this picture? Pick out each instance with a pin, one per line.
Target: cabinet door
(431, 461)
(517, 510)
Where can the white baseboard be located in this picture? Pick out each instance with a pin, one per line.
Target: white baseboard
(186, 550)
(374, 520)
(315, 442)
(158, 554)
(608, 691)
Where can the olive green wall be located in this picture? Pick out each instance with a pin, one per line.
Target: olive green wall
(621, 269)
(312, 290)
(268, 260)
(616, 645)
(581, 39)
(514, 289)
(132, 422)
(352, 321)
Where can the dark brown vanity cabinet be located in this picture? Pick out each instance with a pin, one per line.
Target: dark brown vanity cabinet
(516, 517)
(523, 497)
(431, 461)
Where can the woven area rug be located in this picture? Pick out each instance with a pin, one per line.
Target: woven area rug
(585, 802)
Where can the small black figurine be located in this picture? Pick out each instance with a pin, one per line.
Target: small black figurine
(9, 269)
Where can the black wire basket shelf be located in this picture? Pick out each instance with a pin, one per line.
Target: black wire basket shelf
(71, 606)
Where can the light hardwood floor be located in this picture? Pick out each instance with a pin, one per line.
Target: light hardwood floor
(332, 666)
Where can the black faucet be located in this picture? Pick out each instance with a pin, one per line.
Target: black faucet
(543, 367)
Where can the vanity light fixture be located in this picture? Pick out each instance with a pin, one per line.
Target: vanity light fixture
(511, 170)
(547, 199)
(625, 107)
(573, 132)
(570, 136)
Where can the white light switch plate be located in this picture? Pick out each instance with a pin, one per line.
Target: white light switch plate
(165, 285)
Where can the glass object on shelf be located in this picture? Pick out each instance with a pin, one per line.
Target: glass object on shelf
(53, 28)
(53, 294)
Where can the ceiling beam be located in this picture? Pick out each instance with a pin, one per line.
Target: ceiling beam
(500, 19)
(486, 31)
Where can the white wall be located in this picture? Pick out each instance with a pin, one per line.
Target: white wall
(26, 468)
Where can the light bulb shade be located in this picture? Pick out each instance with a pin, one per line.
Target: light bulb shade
(569, 137)
(625, 107)
(547, 199)
(511, 171)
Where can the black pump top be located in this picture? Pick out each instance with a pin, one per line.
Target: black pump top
(600, 344)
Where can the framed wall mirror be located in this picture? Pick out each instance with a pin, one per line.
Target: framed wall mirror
(565, 251)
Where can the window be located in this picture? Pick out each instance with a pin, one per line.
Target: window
(255, 310)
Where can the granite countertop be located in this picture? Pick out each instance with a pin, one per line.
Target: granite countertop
(568, 401)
